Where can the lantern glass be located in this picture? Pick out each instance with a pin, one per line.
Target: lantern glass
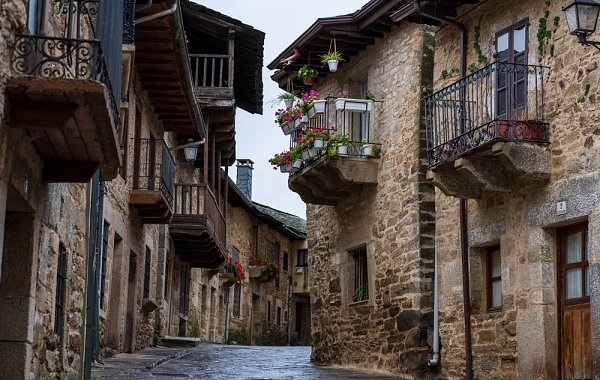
(191, 151)
(582, 16)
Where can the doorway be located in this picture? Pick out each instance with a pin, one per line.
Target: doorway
(128, 344)
(574, 293)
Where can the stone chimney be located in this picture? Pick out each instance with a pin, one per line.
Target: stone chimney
(244, 176)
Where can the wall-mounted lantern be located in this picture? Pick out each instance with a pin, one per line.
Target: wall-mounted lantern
(191, 151)
(582, 17)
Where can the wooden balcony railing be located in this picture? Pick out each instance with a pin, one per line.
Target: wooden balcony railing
(212, 70)
(211, 209)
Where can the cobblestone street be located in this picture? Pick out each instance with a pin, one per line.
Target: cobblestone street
(216, 362)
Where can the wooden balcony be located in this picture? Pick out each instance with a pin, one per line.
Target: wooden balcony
(488, 131)
(153, 181)
(198, 228)
(328, 177)
(61, 94)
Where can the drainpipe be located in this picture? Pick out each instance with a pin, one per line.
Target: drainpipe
(289, 326)
(157, 15)
(227, 293)
(463, 203)
(435, 359)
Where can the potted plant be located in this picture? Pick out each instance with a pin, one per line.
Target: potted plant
(307, 100)
(343, 142)
(355, 105)
(361, 293)
(332, 59)
(288, 98)
(307, 74)
(366, 148)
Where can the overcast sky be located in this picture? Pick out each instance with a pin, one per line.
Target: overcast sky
(258, 137)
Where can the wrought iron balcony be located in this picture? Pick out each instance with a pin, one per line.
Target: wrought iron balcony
(488, 128)
(198, 228)
(501, 102)
(327, 175)
(129, 22)
(153, 181)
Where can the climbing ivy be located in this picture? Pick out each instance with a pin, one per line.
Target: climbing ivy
(481, 58)
(544, 34)
(449, 73)
(585, 93)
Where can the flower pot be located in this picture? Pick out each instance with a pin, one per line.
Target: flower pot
(354, 105)
(299, 123)
(283, 168)
(366, 149)
(297, 164)
(288, 127)
(501, 129)
(333, 64)
(289, 103)
(317, 107)
(318, 143)
(308, 81)
(342, 149)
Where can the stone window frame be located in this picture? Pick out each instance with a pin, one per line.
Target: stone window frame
(147, 268)
(353, 269)
(302, 253)
(490, 278)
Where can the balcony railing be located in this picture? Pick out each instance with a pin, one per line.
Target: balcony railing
(501, 102)
(129, 22)
(212, 70)
(198, 199)
(154, 172)
(354, 149)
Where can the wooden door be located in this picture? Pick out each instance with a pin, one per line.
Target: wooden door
(575, 324)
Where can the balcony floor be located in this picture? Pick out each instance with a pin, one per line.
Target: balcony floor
(152, 207)
(195, 241)
(332, 178)
(69, 122)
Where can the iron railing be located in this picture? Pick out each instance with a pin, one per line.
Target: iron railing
(89, 48)
(212, 70)
(502, 101)
(129, 22)
(154, 170)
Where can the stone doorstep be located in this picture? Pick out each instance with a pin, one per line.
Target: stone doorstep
(141, 360)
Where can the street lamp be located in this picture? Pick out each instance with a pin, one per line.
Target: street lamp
(190, 151)
(582, 17)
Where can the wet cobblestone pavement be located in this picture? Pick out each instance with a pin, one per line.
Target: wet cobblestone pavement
(220, 362)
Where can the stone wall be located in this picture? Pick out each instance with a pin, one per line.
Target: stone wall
(393, 220)
(521, 340)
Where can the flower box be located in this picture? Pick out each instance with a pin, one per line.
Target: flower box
(353, 105)
(288, 127)
(317, 107)
(299, 123)
(310, 153)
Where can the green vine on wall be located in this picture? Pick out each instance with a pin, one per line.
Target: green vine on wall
(585, 93)
(544, 34)
(481, 58)
(449, 73)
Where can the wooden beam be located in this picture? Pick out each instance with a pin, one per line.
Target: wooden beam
(69, 171)
(40, 115)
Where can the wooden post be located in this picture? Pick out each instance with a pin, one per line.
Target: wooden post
(230, 50)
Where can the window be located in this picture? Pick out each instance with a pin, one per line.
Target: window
(103, 264)
(147, 274)
(61, 279)
(184, 293)
(360, 289)
(494, 278)
(364, 116)
(285, 261)
(273, 251)
(237, 300)
(235, 254)
(278, 316)
(575, 265)
(511, 45)
(268, 311)
(302, 257)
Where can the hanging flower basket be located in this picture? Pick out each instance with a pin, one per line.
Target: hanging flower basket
(354, 105)
(333, 65)
(316, 107)
(299, 123)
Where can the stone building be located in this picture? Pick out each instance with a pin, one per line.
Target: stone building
(102, 218)
(494, 169)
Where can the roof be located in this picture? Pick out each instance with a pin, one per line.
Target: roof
(286, 224)
(353, 33)
(208, 32)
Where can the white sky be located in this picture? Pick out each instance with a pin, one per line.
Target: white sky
(257, 136)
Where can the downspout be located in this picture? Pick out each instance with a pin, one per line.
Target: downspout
(227, 294)
(435, 359)
(289, 326)
(463, 217)
(166, 12)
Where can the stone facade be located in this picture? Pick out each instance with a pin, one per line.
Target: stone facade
(522, 340)
(519, 212)
(392, 221)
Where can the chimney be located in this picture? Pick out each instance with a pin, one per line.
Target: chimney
(244, 176)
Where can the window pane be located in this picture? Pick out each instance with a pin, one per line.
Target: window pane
(520, 40)
(573, 282)
(587, 281)
(573, 248)
(502, 46)
(496, 264)
(497, 293)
